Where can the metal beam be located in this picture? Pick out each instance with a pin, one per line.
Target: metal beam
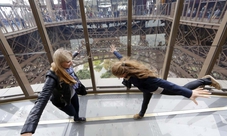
(42, 30)
(129, 28)
(216, 48)
(172, 38)
(86, 37)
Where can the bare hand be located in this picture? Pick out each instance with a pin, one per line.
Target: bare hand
(112, 48)
(199, 92)
(27, 134)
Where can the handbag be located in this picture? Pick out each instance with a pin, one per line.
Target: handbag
(81, 90)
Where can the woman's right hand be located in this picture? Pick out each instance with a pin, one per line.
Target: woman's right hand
(112, 48)
(199, 92)
(26, 134)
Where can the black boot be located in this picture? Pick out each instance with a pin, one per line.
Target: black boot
(80, 119)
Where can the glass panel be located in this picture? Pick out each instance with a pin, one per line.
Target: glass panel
(187, 61)
(7, 79)
(149, 46)
(80, 63)
(220, 68)
(34, 65)
(6, 76)
(30, 54)
(103, 59)
(71, 37)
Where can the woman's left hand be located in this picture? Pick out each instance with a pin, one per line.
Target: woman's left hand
(112, 48)
(199, 92)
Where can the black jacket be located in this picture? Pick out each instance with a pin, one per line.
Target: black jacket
(53, 90)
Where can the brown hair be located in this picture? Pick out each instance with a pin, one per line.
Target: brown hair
(59, 56)
(132, 68)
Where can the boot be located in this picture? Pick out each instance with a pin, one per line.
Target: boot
(137, 116)
(214, 83)
(80, 119)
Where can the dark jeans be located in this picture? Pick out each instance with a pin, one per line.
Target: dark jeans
(73, 108)
(191, 85)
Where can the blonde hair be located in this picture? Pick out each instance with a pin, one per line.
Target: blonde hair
(61, 55)
(132, 68)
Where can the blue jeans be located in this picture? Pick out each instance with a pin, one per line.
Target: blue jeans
(191, 85)
(73, 108)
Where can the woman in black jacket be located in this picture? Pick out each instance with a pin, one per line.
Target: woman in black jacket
(147, 81)
(60, 87)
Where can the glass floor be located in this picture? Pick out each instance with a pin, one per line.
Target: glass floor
(112, 115)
